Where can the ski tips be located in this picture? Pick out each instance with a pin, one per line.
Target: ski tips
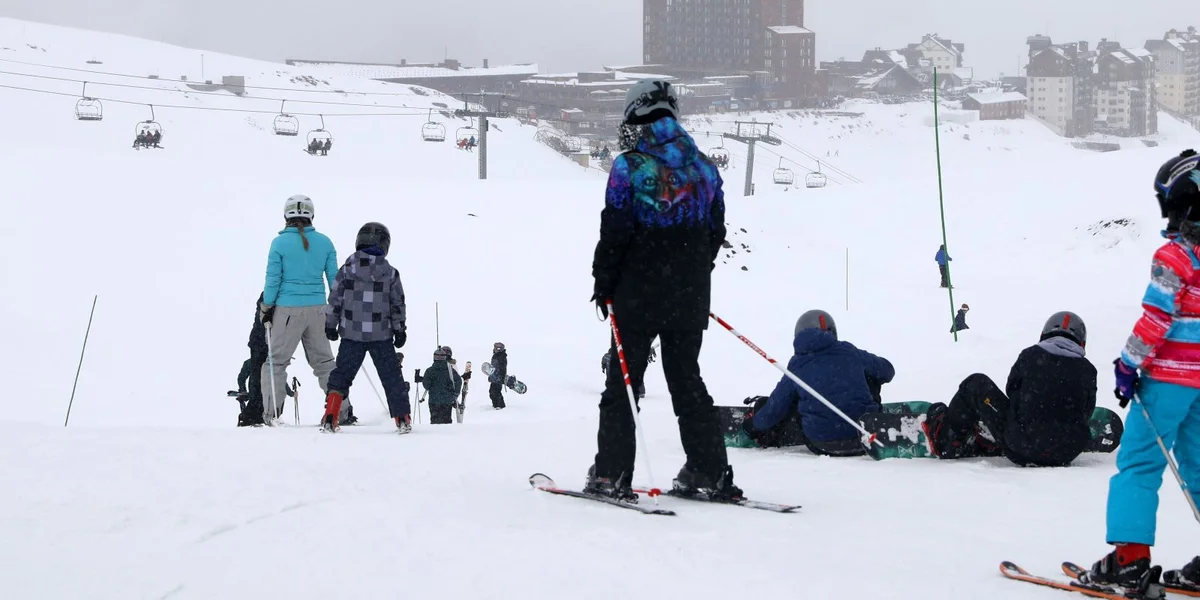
(540, 480)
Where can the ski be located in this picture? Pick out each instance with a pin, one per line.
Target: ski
(744, 502)
(541, 482)
(462, 400)
(1016, 573)
(1170, 580)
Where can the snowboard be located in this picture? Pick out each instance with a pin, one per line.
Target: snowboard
(790, 433)
(903, 436)
(510, 382)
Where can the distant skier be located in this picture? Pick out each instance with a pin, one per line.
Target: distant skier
(298, 298)
(443, 384)
(366, 309)
(846, 376)
(960, 319)
(943, 260)
(661, 230)
(500, 364)
(1165, 347)
(1042, 420)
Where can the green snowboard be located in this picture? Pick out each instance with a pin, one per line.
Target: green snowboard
(903, 436)
(790, 433)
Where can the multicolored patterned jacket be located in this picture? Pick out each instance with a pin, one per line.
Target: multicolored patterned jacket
(366, 303)
(1165, 342)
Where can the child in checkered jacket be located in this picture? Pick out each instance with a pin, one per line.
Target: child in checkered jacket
(366, 309)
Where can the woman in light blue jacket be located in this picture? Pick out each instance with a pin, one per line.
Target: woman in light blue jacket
(294, 301)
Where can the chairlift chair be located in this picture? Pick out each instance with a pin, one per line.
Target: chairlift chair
(719, 156)
(319, 135)
(88, 109)
(432, 131)
(286, 124)
(466, 133)
(816, 179)
(784, 176)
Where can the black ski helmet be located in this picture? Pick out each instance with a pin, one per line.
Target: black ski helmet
(1177, 187)
(449, 352)
(816, 319)
(1065, 324)
(498, 347)
(373, 234)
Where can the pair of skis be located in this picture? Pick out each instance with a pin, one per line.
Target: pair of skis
(1155, 585)
(542, 482)
(462, 401)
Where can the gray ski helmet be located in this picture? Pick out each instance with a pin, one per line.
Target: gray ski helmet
(1065, 324)
(816, 319)
(448, 351)
(373, 234)
(650, 100)
(440, 354)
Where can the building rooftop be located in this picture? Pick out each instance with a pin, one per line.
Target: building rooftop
(788, 29)
(387, 71)
(996, 97)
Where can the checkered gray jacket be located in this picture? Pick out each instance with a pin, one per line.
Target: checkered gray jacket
(366, 303)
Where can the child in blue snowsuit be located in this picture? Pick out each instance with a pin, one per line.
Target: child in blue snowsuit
(1165, 348)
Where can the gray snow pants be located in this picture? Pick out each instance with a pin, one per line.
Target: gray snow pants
(291, 326)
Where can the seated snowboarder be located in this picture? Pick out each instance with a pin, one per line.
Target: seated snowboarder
(846, 376)
(1043, 420)
(960, 319)
(443, 384)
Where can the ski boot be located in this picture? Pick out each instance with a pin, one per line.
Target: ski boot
(1187, 578)
(1126, 566)
(404, 424)
(692, 483)
(350, 418)
(604, 486)
(333, 406)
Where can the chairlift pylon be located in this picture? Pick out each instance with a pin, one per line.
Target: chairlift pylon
(319, 140)
(782, 175)
(88, 109)
(815, 179)
(286, 124)
(433, 131)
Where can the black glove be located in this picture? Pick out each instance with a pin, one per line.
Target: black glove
(748, 425)
(466, 376)
(399, 338)
(266, 314)
(601, 301)
(417, 377)
(331, 334)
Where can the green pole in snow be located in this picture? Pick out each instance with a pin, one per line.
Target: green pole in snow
(937, 144)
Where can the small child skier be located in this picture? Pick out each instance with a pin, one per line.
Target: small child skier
(499, 374)
(443, 384)
(960, 319)
(1165, 347)
(366, 308)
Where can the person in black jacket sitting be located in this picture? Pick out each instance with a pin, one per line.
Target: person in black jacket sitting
(1043, 420)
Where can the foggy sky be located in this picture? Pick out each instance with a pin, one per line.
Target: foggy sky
(572, 35)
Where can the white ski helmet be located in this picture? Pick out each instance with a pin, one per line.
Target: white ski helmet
(298, 207)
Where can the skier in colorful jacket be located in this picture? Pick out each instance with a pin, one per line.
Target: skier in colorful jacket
(1159, 370)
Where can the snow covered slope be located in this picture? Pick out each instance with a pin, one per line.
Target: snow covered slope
(151, 492)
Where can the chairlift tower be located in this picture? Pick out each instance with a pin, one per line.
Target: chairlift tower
(750, 133)
(483, 116)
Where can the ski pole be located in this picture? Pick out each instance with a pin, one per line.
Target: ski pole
(637, 422)
(1170, 459)
(81, 353)
(374, 389)
(269, 417)
(296, 398)
(868, 438)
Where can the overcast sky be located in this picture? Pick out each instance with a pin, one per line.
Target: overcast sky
(571, 35)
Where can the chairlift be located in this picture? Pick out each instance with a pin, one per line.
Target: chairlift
(782, 175)
(286, 124)
(88, 109)
(148, 133)
(719, 155)
(432, 131)
(465, 136)
(574, 144)
(816, 179)
(319, 140)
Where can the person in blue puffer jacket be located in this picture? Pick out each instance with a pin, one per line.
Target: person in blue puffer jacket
(846, 376)
(300, 264)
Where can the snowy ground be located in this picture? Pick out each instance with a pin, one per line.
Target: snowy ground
(151, 493)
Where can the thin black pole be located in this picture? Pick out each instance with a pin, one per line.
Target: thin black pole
(81, 353)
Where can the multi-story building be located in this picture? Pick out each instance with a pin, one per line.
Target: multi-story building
(726, 37)
(940, 53)
(1061, 86)
(1125, 90)
(1177, 71)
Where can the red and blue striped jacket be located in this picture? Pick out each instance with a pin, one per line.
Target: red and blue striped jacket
(1165, 342)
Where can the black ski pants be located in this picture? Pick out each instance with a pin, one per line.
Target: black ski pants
(350, 357)
(439, 414)
(699, 423)
(979, 403)
(496, 393)
(254, 407)
(945, 271)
